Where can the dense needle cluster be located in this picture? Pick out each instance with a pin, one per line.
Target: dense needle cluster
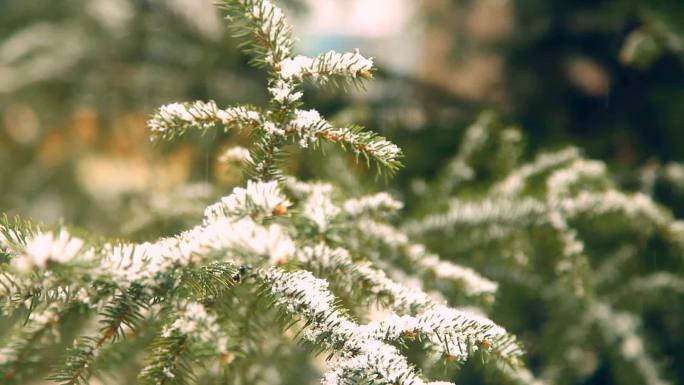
(277, 249)
(571, 242)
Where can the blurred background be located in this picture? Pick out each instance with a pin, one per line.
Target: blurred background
(79, 78)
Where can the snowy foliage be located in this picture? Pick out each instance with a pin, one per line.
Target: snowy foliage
(280, 269)
(276, 249)
(560, 233)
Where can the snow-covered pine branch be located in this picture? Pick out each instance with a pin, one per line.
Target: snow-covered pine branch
(330, 67)
(173, 120)
(122, 281)
(195, 295)
(268, 34)
(362, 351)
(270, 43)
(570, 239)
(310, 127)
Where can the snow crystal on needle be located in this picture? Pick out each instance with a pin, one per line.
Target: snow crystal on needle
(44, 247)
(257, 197)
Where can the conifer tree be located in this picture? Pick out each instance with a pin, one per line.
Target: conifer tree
(278, 269)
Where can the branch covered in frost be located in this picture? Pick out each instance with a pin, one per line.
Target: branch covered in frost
(23, 344)
(499, 212)
(328, 261)
(328, 67)
(270, 43)
(419, 257)
(311, 127)
(652, 283)
(257, 199)
(228, 228)
(515, 181)
(623, 328)
(560, 182)
(559, 215)
(173, 120)
(270, 36)
(507, 212)
(420, 314)
(241, 227)
(362, 350)
(194, 330)
(459, 168)
(377, 203)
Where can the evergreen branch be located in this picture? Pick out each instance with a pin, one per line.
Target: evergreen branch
(377, 204)
(265, 158)
(299, 294)
(13, 233)
(371, 146)
(190, 326)
(364, 354)
(456, 334)
(34, 253)
(285, 94)
(330, 67)
(515, 181)
(173, 120)
(622, 328)
(502, 213)
(167, 363)
(573, 264)
(25, 347)
(525, 210)
(652, 283)
(257, 200)
(358, 278)
(488, 150)
(311, 127)
(417, 257)
(460, 169)
(560, 183)
(123, 310)
(209, 281)
(269, 35)
(319, 208)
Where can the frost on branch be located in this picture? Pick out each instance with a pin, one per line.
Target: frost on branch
(284, 93)
(270, 44)
(328, 67)
(310, 127)
(173, 120)
(44, 248)
(196, 268)
(429, 264)
(269, 34)
(378, 203)
(263, 199)
(560, 232)
(363, 352)
(204, 303)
